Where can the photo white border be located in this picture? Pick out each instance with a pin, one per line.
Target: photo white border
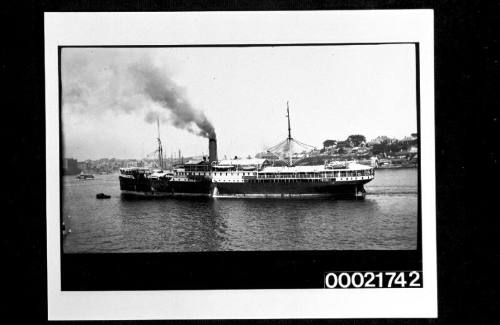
(280, 27)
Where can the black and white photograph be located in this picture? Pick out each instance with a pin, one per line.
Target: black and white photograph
(189, 156)
(239, 148)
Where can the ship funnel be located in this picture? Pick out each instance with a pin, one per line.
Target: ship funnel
(212, 149)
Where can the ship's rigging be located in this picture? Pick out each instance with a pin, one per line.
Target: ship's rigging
(286, 148)
(283, 151)
(161, 163)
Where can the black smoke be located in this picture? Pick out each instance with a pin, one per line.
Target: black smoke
(159, 88)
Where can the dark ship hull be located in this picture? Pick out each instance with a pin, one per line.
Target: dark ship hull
(290, 188)
(162, 188)
(135, 186)
(200, 187)
(148, 187)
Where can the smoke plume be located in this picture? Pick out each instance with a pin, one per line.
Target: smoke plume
(162, 90)
(95, 81)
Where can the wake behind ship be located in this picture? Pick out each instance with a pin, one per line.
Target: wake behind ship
(247, 178)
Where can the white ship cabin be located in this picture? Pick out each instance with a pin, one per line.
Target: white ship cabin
(258, 170)
(192, 169)
(130, 172)
(350, 171)
(235, 171)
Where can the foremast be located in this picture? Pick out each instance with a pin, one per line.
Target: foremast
(160, 148)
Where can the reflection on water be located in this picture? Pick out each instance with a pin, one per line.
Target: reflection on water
(386, 219)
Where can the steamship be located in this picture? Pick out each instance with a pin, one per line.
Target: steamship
(247, 178)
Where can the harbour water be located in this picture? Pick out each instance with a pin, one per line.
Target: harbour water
(385, 220)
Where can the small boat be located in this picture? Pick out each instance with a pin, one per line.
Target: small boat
(102, 196)
(85, 176)
(65, 231)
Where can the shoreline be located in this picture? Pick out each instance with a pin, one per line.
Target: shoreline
(396, 167)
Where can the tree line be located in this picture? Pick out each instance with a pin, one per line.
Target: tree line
(383, 144)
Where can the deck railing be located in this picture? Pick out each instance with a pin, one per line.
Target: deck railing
(278, 175)
(318, 177)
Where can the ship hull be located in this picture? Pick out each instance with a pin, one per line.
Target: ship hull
(133, 184)
(186, 188)
(146, 187)
(345, 190)
(273, 188)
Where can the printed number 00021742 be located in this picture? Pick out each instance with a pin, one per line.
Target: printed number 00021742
(366, 279)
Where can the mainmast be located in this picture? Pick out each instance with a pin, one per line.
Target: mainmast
(288, 145)
(289, 139)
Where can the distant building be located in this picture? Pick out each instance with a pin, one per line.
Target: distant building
(314, 152)
(329, 144)
(382, 139)
(409, 140)
(82, 165)
(344, 144)
(132, 163)
(70, 166)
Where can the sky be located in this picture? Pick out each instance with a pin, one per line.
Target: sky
(112, 97)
